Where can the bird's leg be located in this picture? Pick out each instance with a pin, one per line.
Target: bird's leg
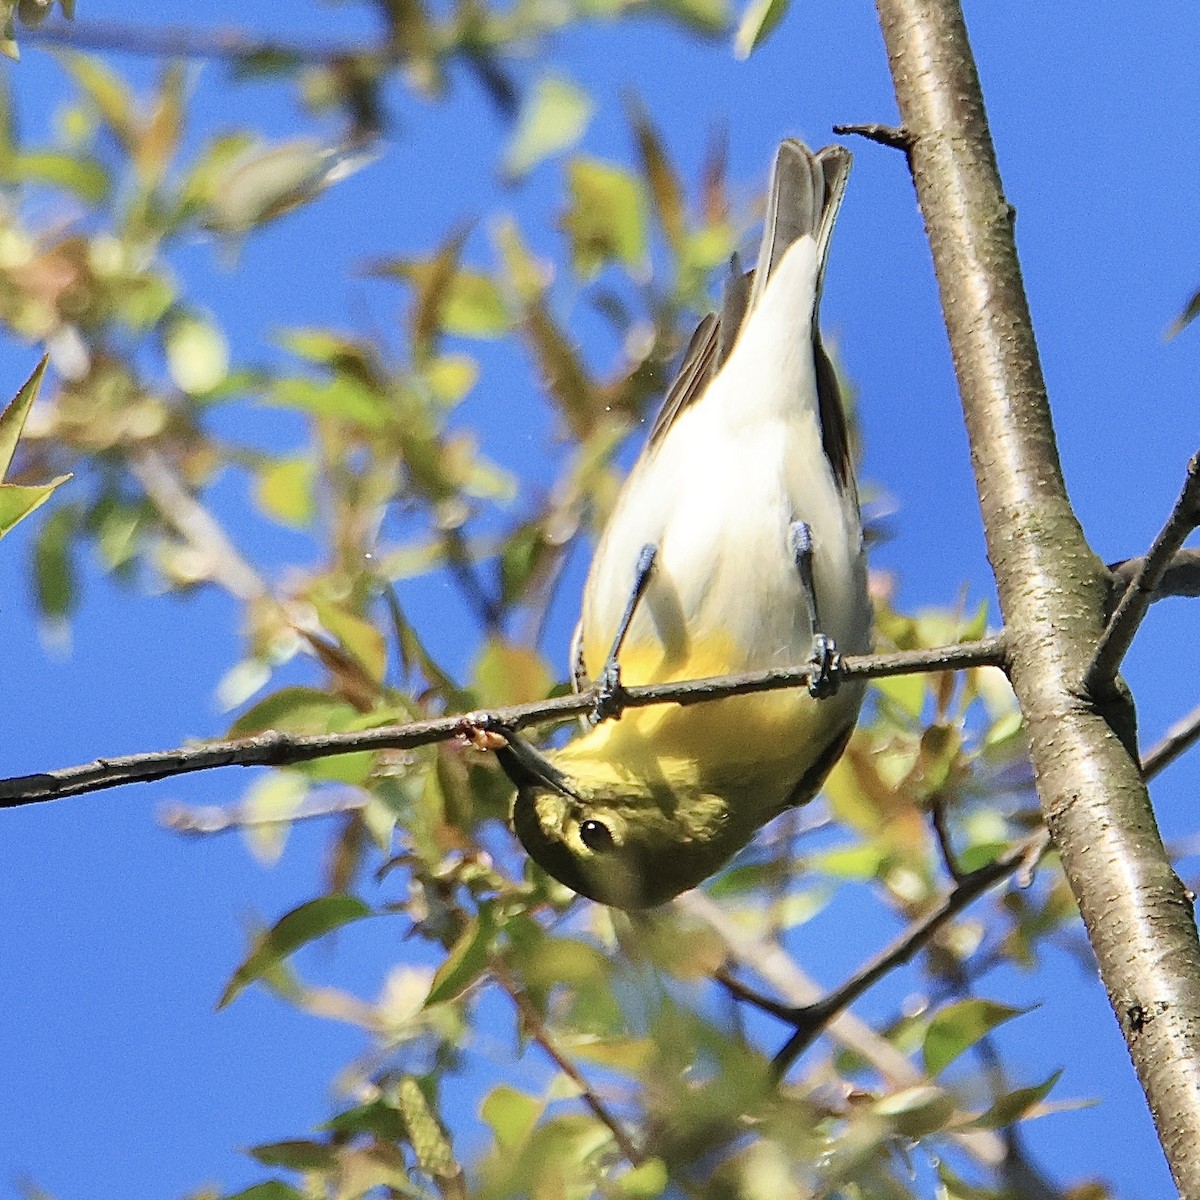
(608, 682)
(826, 660)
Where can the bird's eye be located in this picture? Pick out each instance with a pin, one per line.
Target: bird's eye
(595, 835)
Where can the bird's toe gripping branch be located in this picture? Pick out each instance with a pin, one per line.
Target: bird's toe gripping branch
(824, 656)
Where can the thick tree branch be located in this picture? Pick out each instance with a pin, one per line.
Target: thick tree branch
(1052, 589)
(274, 749)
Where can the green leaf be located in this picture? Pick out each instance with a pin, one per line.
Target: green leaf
(357, 636)
(703, 16)
(607, 218)
(660, 177)
(1012, 1106)
(263, 184)
(285, 491)
(508, 674)
(467, 961)
(111, 95)
(292, 931)
(643, 1182)
(295, 710)
(55, 585)
(469, 303)
(296, 1155)
(12, 419)
(758, 21)
(272, 1189)
(342, 398)
(475, 307)
(511, 1115)
(18, 501)
(959, 1027)
(86, 177)
(553, 118)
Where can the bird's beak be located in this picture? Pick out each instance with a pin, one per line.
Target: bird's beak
(527, 767)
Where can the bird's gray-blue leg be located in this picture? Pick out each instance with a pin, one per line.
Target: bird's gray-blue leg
(825, 658)
(608, 682)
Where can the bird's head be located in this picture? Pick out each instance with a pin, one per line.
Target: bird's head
(622, 839)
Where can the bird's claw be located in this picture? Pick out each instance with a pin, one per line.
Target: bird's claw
(826, 661)
(609, 693)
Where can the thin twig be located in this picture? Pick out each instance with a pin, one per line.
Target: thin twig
(537, 1029)
(1184, 733)
(811, 1019)
(180, 42)
(193, 522)
(208, 819)
(226, 567)
(1181, 577)
(275, 749)
(771, 963)
(1129, 613)
(937, 813)
(895, 137)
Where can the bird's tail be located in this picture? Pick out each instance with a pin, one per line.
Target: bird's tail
(805, 195)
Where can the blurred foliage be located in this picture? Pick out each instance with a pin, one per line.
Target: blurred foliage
(658, 1082)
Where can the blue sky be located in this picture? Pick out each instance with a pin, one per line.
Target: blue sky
(117, 1078)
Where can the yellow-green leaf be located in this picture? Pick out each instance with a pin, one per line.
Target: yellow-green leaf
(607, 217)
(285, 491)
(18, 501)
(292, 931)
(959, 1027)
(553, 118)
(1014, 1105)
(643, 1182)
(12, 419)
(756, 25)
(467, 961)
(511, 1115)
(295, 710)
(507, 674)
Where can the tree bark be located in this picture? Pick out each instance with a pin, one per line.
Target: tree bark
(1051, 586)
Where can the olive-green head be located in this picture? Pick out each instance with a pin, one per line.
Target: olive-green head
(632, 845)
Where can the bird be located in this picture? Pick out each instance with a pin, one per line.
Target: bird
(735, 544)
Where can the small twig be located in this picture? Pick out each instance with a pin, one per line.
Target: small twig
(1181, 577)
(537, 1028)
(1129, 613)
(208, 819)
(180, 42)
(226, 567)
(458, 561)
(893, 136)
(811, 1019)
(937, 814)
(275, 749)
(197, 526)
(1184, 733)
(771, 963)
